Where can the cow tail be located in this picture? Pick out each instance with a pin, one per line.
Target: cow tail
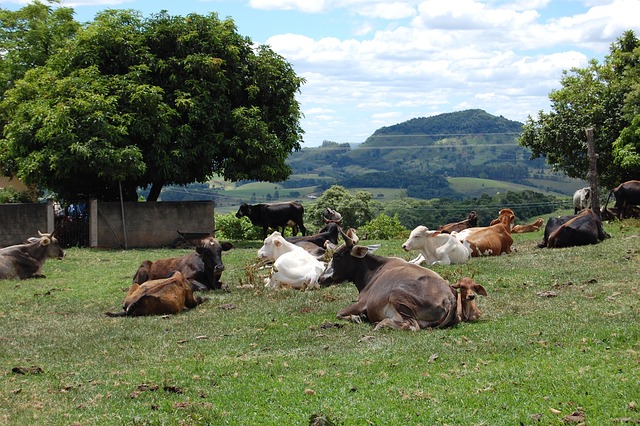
(116, 314)
(608, 198)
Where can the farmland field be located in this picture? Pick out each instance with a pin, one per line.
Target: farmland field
(558, 343)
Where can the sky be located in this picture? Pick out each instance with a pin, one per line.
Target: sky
(374, 63)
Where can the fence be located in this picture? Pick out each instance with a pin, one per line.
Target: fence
(107, 224)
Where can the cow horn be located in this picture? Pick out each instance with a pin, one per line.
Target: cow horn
(347, 239)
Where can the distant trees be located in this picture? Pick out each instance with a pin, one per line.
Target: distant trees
(129, 102)
(604, 96)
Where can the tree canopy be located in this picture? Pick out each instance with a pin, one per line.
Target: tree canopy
(603, 96)
(130, 102)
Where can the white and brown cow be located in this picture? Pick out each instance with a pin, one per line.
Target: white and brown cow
(23, 261)
(491, 240)
(435, 247)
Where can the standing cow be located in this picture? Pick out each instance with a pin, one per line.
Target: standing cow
(274, 215)
(24, 261)
(581, 199)
(626, 194)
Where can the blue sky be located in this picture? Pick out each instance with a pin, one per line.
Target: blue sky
(374, 63)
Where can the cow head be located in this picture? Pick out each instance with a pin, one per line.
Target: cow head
(244, 210)
(343, 264)
(417, 238)
(210, 250)
(331, 216)
(467, 290)
(272, 247)
(50, 243)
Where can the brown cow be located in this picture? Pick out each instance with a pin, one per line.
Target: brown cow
(392, 292)
(530, 227)
(202, 268)
(159, 297)
(486, 241)
(505, 217)
(626, 194)
(466, 290)
(470, 222)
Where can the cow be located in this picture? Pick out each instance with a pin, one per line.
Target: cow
(626, 194)
(435, 247)
(578, 230)
(274, 215)
(293, 266)
(330, 232)
(530, 227)
(24, 261)
(202, 268)
(392, 292)
(159, 297)
(331, 216)
(469, 222)
(491, 240)
(466, 291)
(581, 199)
(505, 217)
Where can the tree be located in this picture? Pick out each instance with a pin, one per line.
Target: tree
(599, 96)
(132, 102)
(356, 210)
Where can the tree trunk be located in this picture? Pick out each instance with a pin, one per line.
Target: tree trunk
(154, 192)
(593, 171)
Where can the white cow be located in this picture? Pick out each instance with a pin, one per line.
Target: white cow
(293, 265)
(436, 247)
(581, 199)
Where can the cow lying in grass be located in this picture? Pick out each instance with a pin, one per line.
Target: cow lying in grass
(435, 247)
(159, 297)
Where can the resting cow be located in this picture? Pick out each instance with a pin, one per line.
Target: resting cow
(159, 297)
(435, 247)
(27, 260)
(530, 227)
(577, 230)
(581, 199)
(392, 292)
(202, 268)
(491, 240)
(293, 266)
(626, 194)
(466, 291)
(330, 232)
(274, 215)
(470, 222)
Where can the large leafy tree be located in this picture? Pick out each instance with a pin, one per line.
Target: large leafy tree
(133, 102)
(599, 96)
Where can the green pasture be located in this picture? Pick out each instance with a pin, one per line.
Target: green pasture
(558, 343)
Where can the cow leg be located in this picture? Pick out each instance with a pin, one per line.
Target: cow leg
(404, 324)
(354, 313)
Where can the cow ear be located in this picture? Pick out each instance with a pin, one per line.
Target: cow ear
(359, 251)
(277, 243)
(45, 241)
(480, 290)
(456, 285)
(226, 246)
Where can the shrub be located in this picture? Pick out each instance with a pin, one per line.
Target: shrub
(383, 227)
(229, 227)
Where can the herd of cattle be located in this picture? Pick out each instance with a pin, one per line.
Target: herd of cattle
(393, 292)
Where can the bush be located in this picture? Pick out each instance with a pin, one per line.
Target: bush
(229, 227)
(12, 196)
(383, 227)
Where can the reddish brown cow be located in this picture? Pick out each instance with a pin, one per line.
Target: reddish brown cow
(470, 222)
(531, 227)
(486, 241)
(505, 217)
(159, 297)
(626, 194)
(392, 292)
(466, 290)
(202, 268)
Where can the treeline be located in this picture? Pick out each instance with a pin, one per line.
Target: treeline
(417, 185)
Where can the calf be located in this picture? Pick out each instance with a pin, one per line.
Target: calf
(466, 290)
(491, 240)
(202, 268)
(435, 247)
(505, 217)
(531, 227)
(26, 260)
(159, 297)
(392, 292)
(293, 265)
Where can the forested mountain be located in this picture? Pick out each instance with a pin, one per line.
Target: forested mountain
(417, 154)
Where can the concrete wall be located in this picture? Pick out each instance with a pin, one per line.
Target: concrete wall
(148, 224)
(18, 222)
(145, 224)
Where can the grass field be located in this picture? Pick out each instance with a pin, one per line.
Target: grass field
(558, 343)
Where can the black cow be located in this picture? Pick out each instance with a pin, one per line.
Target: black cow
(274, 215)
(26, 260)
(330, 232)
(626, 194)
(202, 268)
(577, 230)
